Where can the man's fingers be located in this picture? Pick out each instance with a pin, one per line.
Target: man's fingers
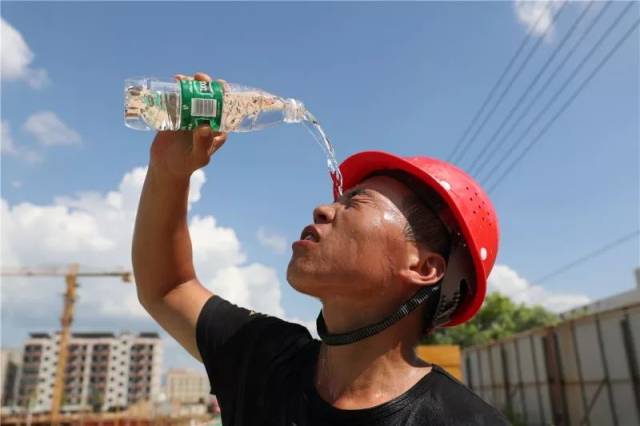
(204, 132)
(202, 76)
(218, 141)
(205, 140)
(202, 140)
(197, 76)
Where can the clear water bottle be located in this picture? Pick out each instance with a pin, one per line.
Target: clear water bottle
(153, 104)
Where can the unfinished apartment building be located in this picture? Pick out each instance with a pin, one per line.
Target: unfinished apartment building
(104, 372)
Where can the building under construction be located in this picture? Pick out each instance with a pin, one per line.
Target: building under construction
(103, 372)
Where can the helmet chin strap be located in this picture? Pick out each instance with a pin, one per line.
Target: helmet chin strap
(421, 296)
(446, 295)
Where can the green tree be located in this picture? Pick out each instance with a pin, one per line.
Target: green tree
(498, 318)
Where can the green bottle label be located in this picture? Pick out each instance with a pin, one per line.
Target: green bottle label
(201, 104)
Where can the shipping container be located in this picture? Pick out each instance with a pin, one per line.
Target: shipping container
(583, 371)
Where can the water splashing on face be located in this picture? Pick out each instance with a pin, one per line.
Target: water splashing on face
(313, 125)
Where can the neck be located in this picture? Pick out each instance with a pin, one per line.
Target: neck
(373, 370)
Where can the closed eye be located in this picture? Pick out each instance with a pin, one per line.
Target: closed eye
(355, 193)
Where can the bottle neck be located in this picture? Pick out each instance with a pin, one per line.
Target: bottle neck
(294, 111)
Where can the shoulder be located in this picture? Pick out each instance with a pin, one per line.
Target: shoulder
(240, 346)
(223, 326)
(272, 334)
(229, 335)
(257, 338)
(460, 404)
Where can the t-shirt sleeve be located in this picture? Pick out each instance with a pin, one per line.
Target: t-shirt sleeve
(217, 322)
(463, 406)
(238, 345)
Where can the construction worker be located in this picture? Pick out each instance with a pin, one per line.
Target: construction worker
(406, 248)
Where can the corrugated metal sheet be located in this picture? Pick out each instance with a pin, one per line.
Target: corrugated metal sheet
(581, 372)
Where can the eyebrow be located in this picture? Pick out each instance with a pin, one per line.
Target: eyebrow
(360, 191)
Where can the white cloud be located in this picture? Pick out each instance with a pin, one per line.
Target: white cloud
(95, 230)
(30, 156)
(507, 281)
(7, 146)
(537, 16)
(17, 57)
(251, 286)
(49, 130)
(276, 242)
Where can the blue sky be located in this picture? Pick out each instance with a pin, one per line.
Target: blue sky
(401, 77)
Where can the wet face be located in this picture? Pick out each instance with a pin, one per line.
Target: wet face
(357, 245)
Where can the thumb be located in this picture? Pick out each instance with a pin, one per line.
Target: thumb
(203, 139)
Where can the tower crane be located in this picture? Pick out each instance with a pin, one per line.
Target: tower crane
(71, 278)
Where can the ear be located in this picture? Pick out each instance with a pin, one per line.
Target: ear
(423, 267)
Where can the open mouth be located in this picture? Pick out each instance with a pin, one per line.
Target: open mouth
(310, 233)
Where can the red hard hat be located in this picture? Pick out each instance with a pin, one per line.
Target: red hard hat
(470, 214)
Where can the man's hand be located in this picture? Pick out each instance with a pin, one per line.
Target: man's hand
(161, 251)
(182, 152)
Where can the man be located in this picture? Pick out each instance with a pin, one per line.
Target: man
(406, 248)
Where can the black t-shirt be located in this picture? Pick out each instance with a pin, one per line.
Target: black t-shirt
(261, 370)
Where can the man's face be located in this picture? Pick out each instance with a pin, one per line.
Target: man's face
(357, 245)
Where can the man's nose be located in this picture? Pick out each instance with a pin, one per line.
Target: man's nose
(323, 214)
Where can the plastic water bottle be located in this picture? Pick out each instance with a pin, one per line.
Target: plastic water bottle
(152, 104)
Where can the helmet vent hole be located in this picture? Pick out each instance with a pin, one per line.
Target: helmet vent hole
(483, 253)
(465, 290)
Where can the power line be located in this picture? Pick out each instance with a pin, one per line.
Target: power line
(542, 88)
(527, 91)
(510, 84)
(588, 256)
(566, 104)
(495, 86)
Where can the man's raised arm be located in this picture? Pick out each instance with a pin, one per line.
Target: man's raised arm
(161, 252)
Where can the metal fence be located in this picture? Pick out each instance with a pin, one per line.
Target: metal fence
(581, 372)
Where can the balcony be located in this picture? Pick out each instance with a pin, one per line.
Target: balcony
(30, 349)
(73, 381)
(26, 389)
(28, 383)
(76, 358)
(100, 366)
(31, 363)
